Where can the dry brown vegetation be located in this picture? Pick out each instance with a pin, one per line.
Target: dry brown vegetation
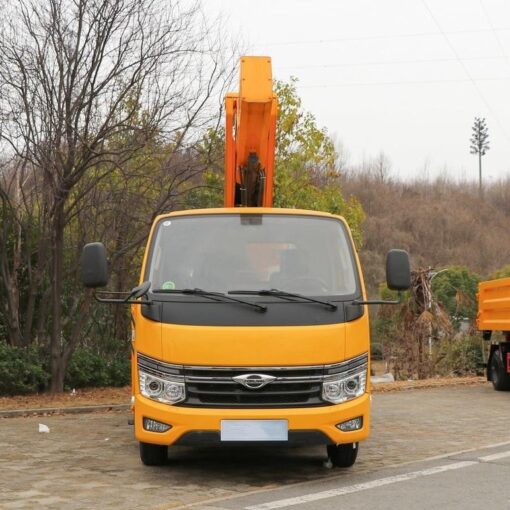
(440, 223)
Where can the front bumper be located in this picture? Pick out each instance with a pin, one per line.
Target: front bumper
(314, 421)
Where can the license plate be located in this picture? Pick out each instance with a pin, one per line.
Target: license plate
(254, 430)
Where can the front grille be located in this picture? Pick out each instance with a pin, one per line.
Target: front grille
(292, 387)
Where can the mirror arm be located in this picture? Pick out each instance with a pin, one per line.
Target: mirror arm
(126, 301)
(379, 301)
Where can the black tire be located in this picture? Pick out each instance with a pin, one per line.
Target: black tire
(343, 455)
(153, 454)
(500, 379)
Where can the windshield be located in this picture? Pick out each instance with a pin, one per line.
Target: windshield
(310, 255)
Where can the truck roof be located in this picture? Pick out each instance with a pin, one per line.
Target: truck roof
(249, 210)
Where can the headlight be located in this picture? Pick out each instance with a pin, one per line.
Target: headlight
(165, 390)
(342, 387)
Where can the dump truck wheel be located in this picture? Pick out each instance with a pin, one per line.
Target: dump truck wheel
(343, 455)
(153, 454)
(500, 379)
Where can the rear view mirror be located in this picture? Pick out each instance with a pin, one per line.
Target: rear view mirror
(398, 270)
(94, 267)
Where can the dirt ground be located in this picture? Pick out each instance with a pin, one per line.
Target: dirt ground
(81, 397)
(101, 396)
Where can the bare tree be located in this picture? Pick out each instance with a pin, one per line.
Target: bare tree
(78, 77)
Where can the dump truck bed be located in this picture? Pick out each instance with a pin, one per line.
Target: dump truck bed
(494, 305)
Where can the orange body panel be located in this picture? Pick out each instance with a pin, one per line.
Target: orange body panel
(250, 127)
(184, 420)
(494, 305)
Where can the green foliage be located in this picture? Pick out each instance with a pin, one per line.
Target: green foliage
(504, 272)
(389, 318)
(90, 368)
(392, 295)
(462, 355)
(25, 370)
(22, 370)
(299, 142)
(209, 194)
(455, 288)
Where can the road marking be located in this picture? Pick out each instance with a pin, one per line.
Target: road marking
(330, 478)
(494, 456)
(282, 503)
(451, 454)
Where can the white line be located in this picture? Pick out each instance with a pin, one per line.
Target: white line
(282, 503)
(494, 456)
(328, 478)
(451, 454)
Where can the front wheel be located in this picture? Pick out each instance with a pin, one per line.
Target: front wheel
(343, 455)
(153, 454)
(500, 379)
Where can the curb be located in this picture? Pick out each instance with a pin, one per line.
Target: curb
(63, 410)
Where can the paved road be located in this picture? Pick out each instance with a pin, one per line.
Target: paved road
(472, 480)
(91, 461)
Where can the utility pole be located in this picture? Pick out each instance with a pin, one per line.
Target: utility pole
(479, 145)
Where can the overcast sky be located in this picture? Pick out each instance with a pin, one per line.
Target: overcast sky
(403, 76)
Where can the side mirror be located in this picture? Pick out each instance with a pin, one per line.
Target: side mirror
(94, 267)
(398, 270)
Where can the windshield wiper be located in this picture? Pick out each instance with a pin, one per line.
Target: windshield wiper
(214, 296)
(283, 294)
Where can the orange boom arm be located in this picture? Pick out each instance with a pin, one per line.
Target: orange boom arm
(250, 136)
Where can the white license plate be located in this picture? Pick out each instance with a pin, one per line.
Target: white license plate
(254, 430)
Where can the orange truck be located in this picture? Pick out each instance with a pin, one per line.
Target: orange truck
(494, 315)
(250, 323)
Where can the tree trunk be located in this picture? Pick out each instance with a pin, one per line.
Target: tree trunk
(11, 308)
(10, 262)
(57, 361)
(480, 189)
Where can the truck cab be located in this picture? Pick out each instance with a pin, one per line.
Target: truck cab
(293, 349)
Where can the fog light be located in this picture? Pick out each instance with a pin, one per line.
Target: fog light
(350, 425)
(155, 426)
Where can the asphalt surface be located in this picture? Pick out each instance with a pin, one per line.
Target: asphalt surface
(91, 461)
(471, 480)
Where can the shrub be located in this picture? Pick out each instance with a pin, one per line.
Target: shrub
(462, 355)
(89, 368)
(22, 370)
(86, 368)
(119, 371)
(455, 287)
(25, 370)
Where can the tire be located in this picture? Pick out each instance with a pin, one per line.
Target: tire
(343, 455)
(153, 454)
(500, 379)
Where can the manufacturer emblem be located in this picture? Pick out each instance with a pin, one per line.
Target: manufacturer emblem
(253, 381)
